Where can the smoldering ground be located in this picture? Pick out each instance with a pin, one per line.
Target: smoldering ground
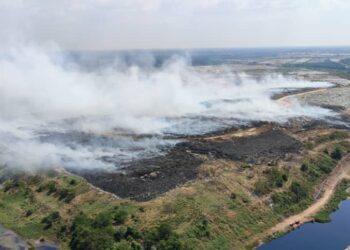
(53, 112)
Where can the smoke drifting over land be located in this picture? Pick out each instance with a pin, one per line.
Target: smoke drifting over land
(54, 113)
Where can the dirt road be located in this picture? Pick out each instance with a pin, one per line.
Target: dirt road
(341, 171)
(285, 100)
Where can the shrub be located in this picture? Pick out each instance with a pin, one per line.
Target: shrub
(12, 184)
(63, 231)
(277, 177)
(164, 231)
(233, 196)
(262, 187)
(202, 229)
(304, 167)
(285, 177)
(173, 243)
(86, 236)
(337, 154)
(318, 166)
(127, 245)
(298, 191)
(133, 233)
(103, 219)
(279, 182)
(40, 188)
(120, 215)
(163, 238)
(49, 220)
(295, 199)
(73, 182)
(120, 233)
(66, 195)
(326, 164)
(29, 212)
(51, 187)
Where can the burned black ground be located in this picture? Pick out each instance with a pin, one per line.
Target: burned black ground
(146, 179)
(264, 148)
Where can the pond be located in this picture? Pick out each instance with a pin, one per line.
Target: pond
(321, 236)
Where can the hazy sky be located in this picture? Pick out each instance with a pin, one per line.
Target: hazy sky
(125, 24)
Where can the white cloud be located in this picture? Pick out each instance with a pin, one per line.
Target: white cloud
(108, 24)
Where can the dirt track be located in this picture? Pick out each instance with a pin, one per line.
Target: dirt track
(284, 99)
(342, 171)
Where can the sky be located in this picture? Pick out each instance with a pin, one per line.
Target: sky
(161, 24)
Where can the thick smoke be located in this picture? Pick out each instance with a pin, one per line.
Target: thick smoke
(54, 113)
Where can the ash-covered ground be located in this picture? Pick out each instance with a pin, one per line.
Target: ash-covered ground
(147, 178)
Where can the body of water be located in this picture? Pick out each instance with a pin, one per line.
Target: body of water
(329, 236)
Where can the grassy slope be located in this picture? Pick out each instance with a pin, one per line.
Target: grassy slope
(217, 211)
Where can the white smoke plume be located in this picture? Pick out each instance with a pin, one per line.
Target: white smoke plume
(53, 113)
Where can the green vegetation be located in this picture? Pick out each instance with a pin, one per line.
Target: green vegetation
(163, 238)
(106, 231)
(220, 211)
(338, 68)
(274, 178)
(313, 170)
(91, 234)
(317, 167)
(341, 194)
(49, 220)
(65, 194)
(338, 152)
(295, 199)
(96, 223)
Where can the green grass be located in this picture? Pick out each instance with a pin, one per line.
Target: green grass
(221, 212)
(221, 230)
(36, 194)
